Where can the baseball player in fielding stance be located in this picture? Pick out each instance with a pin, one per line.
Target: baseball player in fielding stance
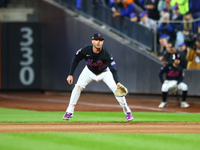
(174, 79)
(100, 66)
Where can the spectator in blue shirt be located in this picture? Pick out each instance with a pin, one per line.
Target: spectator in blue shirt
(142, 4)
(194, 7)
(111, 3)
(166, 27)
(127, 9)
(78, 4)
(117, 6)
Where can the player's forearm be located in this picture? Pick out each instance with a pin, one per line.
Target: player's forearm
(73, 67)
(161, 77)
(115, 74)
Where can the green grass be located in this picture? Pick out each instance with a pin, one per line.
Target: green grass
(96, 141)
(18, 115)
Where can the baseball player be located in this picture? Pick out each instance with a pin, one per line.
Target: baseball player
(174, 79)
(100, 66)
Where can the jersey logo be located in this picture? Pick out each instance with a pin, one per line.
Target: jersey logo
(98, 64)
(173, 74)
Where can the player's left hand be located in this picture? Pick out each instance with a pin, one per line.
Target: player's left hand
(70, 79)
(121, 90)
(173, 89)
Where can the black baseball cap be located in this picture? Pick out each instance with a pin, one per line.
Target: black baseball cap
(97, 36)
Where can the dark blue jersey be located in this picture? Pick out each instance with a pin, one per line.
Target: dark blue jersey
(97, 63)
(172, 73)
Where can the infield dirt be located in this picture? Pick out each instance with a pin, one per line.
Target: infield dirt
(96, 102)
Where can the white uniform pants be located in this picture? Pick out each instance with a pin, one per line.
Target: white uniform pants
(169, 83)
(87, 77)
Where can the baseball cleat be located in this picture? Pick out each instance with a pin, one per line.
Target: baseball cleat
(162, 105)
(67, 116)
(184, 105)
(129, 116)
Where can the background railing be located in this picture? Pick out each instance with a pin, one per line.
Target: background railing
(121, 25)
(133, 31)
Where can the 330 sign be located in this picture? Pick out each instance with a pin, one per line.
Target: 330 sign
(26, 73)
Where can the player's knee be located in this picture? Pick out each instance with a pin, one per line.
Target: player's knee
(164, 88)
(184, 87)
(79, 87)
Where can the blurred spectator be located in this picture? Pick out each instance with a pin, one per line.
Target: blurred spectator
(193, 56)
(78, 4)
(176, 15)
(183, 52)
(165, 4)
(194, 7)
(182, 47)
(163, 14)
(127, 9)
(162, 46)
(151, 6)
(117, 6)
(170, 50)
(133, 17)
(146, 21)
(138, 9)
(111, 3)
(189, 29)
(182, 4)
(140, 3)
(199, 26)
(166, 27)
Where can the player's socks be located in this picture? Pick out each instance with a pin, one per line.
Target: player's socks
(164, 96)
(184, 96)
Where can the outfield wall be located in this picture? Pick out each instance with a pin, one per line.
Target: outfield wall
(43, 65)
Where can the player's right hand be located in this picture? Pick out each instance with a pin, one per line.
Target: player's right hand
(70, 79)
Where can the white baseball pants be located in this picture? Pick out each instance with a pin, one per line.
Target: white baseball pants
(87, 77)
(169, 83)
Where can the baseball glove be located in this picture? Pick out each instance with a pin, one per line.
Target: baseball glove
(121, 91)
(173, 89)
